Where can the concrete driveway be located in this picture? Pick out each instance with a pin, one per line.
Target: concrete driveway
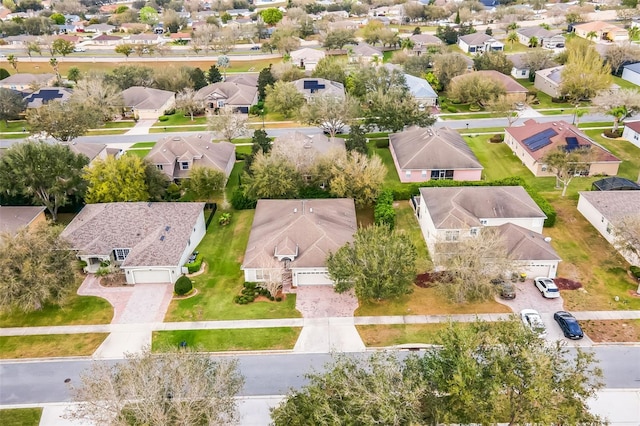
(529, 297)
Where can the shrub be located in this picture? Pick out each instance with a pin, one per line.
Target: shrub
(611, 134)
(163, 118)
(452, 109)
(103, 271)
(635, 271)
(557, 100)
(278, 299)
(182, 286)
(81, 264)
(384, 214)
(170, 111)
(382, 143)
(497, 138)
(195, 266)
(241, 156)
(474, 108)
(105, 263)
(239, 201)
(224, 219)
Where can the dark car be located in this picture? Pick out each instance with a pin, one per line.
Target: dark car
(255, 48)
(569, 325)
(505, 289)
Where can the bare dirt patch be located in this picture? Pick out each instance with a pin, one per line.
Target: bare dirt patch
(612, 330)
(567, 284)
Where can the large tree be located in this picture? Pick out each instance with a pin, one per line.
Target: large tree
(97, 92)
(506, 105)
(228, 123)
(116, 179)
(357, 176)
(271, 176)
(285, 38)
(584, 74)
(64, 121)
(177, 387)
(11, 104)
(283, 98)
(566, 164)
(474, 89)
(37, 268)
(331, 68)
(449, 65)
(62, 47)
(620, 104)
(271, 16)
(537, 59)
(48, 173)
(493, 60)
(618, 55)
(265, 79)
(206, 182)
(394, 110)
(337, 39)
(189, 102)
(379, 264)
(330, 113)
(356, 140)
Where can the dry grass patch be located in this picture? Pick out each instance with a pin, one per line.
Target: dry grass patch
(398, 334)
(612, 330)
(50, 345)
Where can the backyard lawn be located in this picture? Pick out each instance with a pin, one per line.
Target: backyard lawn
(223, 250)
(20, 416)
(50, 345)
(250, 339)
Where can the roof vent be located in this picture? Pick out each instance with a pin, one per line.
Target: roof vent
(199, 136)
(207, 147)
(166, 228)
(295, 210)
(162, 238)
(310, 209)
(555, 124)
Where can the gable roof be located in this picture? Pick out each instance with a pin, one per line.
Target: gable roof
(598, 26)
(197, 149)
(321, 86)
(246, 79)
(428, 149)
(463, 207)
(538, 32)
(316, 227)
(633, 125)
(419, 87)
(307, 53)
(554, 73)
(633, 67)
(89, 150)
(232, 93)
(538, 139)
(364, 49)
(12, 218)
(157, 234)
(145, 97)
(26, 78)
(106, 37)
(524, 244)
(317, 141)
(477, 39)
(614, 205)
(425, 39)
(510, 85)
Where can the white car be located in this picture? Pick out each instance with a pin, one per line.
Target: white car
(533, 321)
(79, 49)
(547, 287)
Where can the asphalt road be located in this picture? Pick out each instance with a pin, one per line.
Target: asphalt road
(43, 381)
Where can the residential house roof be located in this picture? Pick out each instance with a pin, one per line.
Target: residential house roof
(510, 85)
(364, 49)
(42, 96)
(246, 79)
(633, 67)
(157, 234)
(316, 227)
(12, 218)
(598, 26)
(318, 142)
(145, 97)
(538, 139)
(477, 39)
(537, 32)
(199, 150)
(144, 37)
(307, 53)
(103, 28)
(89, 150)
(419, 148)
(554, 73)
(419, 87)
(106, 37)
(633, 125)
(614, 205)
(233, 94)
(524, 244)
(425, 39)
(22, 78)
(310, 87)
(463, 207)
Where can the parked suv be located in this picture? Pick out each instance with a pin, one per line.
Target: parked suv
(506, 290)
(547, 287)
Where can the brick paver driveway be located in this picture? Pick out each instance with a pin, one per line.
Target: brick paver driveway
(321, 301)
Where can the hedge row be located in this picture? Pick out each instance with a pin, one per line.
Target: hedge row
(408, 190)
(194, 266)
(384, 214)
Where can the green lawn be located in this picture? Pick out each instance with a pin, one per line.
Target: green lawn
(139, 152)
(470, 116)
(391, 179)
(21, 417)
(119, 124)
(179, 119)
(76, 311)
(50, 345)
(200, 128)
(407, 222)
(223, 250)
(624, 83)
(250, 339)
(624, 150)
(14, 126)
(143, 145)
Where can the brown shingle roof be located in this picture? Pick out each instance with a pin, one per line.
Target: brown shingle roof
(524, 244)
(318, 142)
(463, 207)
(563, 131)
(427, 149)
(633, 125)
(510, 85)
(234, 94)
(139, 226)
(316, 227)
(13, 218)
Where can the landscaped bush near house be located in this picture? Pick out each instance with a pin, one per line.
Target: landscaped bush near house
(182, 286)
(635, 271)
(249, 293)
(497, 138)
(163, 118)
(224, 219)
(241, 156)
(195, 266)
(452, 109)
(239, 201)
(382, 143)
(611, 134)
(384, 214)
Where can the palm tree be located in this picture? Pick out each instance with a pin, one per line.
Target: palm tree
(619, 113)
(591, 35)
(406, 44)
(533, 41)
(55, 65)
(512, 38)
(13, 61)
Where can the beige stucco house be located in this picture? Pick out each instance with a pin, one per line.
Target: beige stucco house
(147, 103)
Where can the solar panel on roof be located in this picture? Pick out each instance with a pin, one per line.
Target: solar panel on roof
(312, 85)
(539, 140)
(572, 143)
(45, 95)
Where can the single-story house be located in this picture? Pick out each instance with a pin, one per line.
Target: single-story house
(532, 141)
(603, 31)
(43, 96)
(365, 53)
(312, 87)
(544, 37)
(519, 69)
(479, 43)
(450, 214)
(24, 82)
(149, 241)
(421, 154)
(548, 81)
(342, 25)
(291, 239)
(176, 156)
(145, 39)
(147, 103)
(13, 218)
(631, 132)
(99, 28)
(631, 73)
(106, 40)
(421, 91)
(511, 86)
(422, 43)
(307, 58)
(236, 95)
(93, 151)
(607, 211)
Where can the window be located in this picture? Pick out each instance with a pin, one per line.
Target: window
(424, 174)
(220, 104)
(452, 235)
(184, 165)
(543, 168)
(523, 72)
(473, 231)
(442, 174)
(120, 254)
(483, 221)
(608, 228)
(259, 274)
(159, 167)
(602, 219)
(408, 173)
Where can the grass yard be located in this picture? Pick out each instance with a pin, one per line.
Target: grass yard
(14, 126)
(179, 119)
(50, 345)
(624, 83)
(407, 222)
(223, 250)
(379, 336)
(139, 152)
(250, 339)
(143, 145)
(77, 310)
(391, 180)
(624, 150)
(612, 331)
(21, 416)
(201, 128)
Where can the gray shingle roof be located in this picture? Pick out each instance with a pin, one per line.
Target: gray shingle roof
(524, 244)
(463, 207)
(614, 205)
(138, 226)
(318, 142)
(146, 97)
(316, 227)
(233, 93)
(12, 218)
(428, 149)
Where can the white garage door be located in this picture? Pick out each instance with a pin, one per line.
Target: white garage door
(539, 270)
(312, 278)
(153, 276)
